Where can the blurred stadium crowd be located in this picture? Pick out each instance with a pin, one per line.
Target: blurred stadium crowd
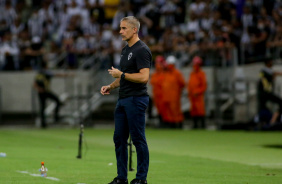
(64, 33)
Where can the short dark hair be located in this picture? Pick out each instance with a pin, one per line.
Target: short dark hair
(133, 21)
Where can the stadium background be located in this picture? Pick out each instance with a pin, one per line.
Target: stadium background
(81, 37)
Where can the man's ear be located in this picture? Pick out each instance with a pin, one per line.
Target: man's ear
(135, 29)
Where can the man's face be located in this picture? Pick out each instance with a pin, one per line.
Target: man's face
(126, 31)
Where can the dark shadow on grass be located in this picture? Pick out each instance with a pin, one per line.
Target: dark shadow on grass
(276, 146)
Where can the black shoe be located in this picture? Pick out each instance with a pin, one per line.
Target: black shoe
(137, 181)
(119, 181)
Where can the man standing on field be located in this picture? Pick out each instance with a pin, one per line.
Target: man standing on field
(135, 63)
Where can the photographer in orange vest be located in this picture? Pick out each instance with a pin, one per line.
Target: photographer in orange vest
(157, 80)
(172, 90)
(197, 85)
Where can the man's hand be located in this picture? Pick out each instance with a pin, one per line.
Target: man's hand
(115, 72)
(105, 90)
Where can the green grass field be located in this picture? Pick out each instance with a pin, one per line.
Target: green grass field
(176, 157)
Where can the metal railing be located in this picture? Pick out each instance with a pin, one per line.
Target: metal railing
(78, 102)
(244, 94)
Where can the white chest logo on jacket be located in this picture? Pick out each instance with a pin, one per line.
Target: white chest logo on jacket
(129, 55)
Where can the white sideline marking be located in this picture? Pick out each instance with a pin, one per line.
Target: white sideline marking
(268, 165)
(24, 172)
(52, 178)
(39, 175)
(36, 175)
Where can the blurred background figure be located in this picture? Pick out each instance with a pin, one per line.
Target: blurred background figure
(43, 87)
(9, 53)
(157, 80)
(197, 85)
(266, 92)
(172, 89)
(84, 35)
(34, 54)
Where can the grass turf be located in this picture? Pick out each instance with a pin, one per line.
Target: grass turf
(176, 156)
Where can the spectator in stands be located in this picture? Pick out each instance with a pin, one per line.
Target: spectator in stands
(24, 43)
(259, 37)
(254, 6)
(9, 14)
(193, 25)
(166, 40)
(150, 16)
(206, 20)
(123, 11)
(168, 14)
(210, 5)
(225, 7)
(279, 8)
(192, 43)
(96, 9)
(117, 44)
(172, 115)
(276, 16)
(247, 19)
(234, 38)
(221, 44)
(9, 53)
(106, 47)
(36, 3)
(69, 46)
(197, 7)
(4, 27)
(34, 54)
(22, 10)
(196, 88)
(110, 8)
(270, 4)
(216, 18)
(93, 28)
(16, 27)
(81, 46)
(180, 48)
(266, 88)
(155, 45)
(276, 38)
(36, 25)
(162, 20)
(180, 14)
(80, 13)
(47, 14)
(136, 5)
(51, 57)
(63, 22)
(204, 50)
(74, 9)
